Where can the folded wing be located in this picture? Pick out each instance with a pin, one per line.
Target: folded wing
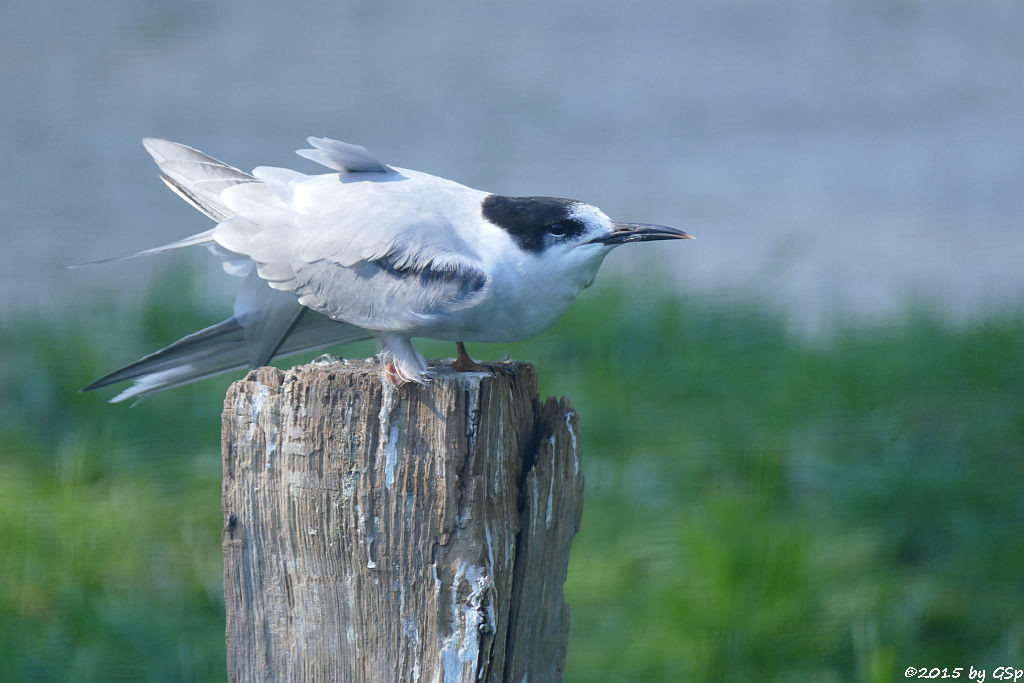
(373, 246)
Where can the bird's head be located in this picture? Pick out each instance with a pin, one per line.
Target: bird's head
(565, 231)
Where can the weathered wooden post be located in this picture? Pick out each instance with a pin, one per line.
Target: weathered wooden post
(375, 534)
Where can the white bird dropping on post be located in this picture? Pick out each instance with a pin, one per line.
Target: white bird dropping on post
(372, 250)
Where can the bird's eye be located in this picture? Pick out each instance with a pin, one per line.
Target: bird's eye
(557, 229)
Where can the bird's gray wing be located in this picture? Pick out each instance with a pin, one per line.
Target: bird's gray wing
(220, 348)
(382, 255)
(388, 293)
(398, 285)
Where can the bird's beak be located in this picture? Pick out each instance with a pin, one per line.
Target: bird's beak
(640, 232)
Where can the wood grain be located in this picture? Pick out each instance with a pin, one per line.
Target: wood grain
(374, 534)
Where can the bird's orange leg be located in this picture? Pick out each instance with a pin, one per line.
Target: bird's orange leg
(464, 363)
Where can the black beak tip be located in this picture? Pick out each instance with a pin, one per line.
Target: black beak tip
(642, 232)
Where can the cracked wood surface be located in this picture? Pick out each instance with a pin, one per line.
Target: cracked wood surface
(419, 534)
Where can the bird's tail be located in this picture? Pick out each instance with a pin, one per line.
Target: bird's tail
(197, 178)
(221, 348)
(267, 323)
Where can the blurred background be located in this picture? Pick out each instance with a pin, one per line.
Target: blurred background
(803, 432)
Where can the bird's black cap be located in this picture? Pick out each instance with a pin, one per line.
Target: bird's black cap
(529, 220)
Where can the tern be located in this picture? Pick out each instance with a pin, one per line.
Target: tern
(371, 250)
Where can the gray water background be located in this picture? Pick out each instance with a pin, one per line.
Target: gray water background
(834, 159)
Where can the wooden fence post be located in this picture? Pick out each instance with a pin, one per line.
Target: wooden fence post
(419, 534)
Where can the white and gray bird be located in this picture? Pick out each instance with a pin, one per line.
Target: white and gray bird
(370, 250)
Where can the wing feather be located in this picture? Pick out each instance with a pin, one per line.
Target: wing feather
(342, 156)
(378, 295)
(386, 256)
(375, 247)
(196, 177)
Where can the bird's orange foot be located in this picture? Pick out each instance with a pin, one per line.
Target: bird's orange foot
(464, 363)
(397, 378)
(392, 375)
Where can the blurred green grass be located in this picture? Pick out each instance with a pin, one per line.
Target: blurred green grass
(758, 506)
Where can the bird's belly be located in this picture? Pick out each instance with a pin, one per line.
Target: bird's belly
(502, 317)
